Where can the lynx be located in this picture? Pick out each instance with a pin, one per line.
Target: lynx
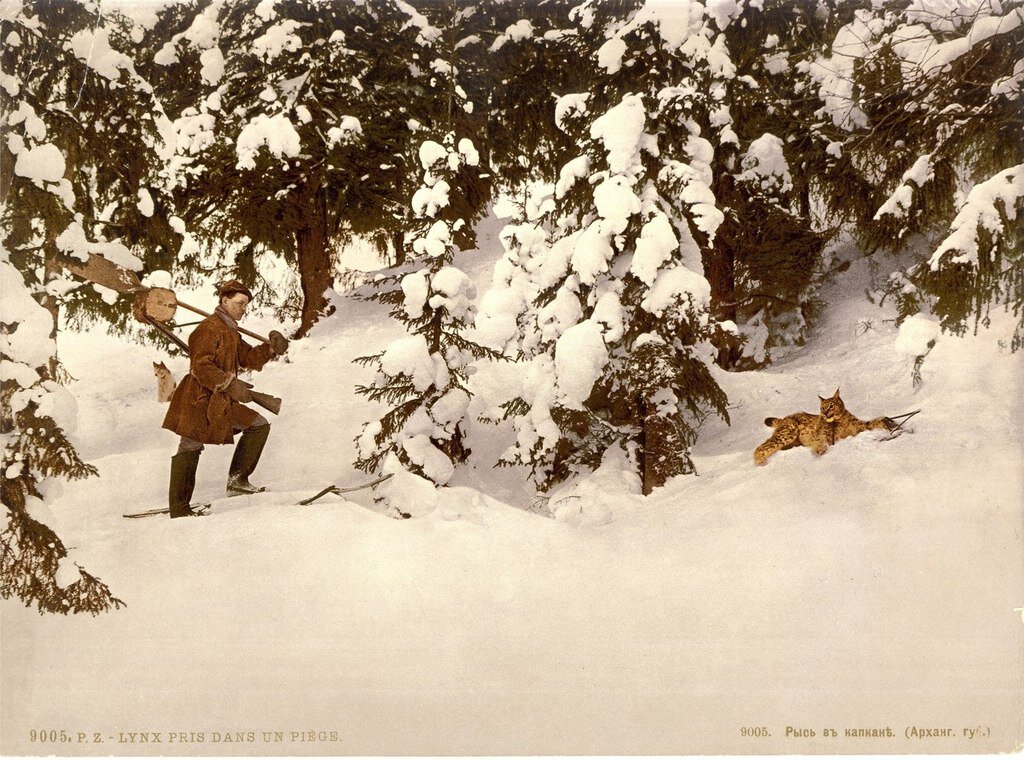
(165, 383)
(816, 431)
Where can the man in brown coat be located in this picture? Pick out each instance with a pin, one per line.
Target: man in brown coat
(208, 404)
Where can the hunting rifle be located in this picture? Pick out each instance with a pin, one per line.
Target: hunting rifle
(271, 403)
(154, 306)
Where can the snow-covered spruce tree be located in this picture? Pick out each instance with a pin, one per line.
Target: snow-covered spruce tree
(928, 100)
(36, 414)
(776, 158)
(610, 300)
(75, 110)
(517, 54)
(84, 129)
(288, 131)
(422, 376)
(941, 115)
(439, 91)
(981, 262)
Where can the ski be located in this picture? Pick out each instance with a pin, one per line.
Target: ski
(198, 509)
(338, 490)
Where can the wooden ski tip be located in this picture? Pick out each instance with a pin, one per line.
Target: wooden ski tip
(338, 491)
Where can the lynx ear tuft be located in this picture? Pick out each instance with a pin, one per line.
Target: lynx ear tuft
(821, 398)
(836, 394)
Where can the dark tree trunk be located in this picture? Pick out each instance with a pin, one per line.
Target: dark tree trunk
(398, 243)
(663, 448)
(245, 264)
(52, 270)
(720, 271)
(663, 454)
(316, 271)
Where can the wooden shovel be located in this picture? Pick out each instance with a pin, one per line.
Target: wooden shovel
(161, 303)
(157, 303)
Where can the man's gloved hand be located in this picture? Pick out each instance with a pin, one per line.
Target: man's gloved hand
(278, 342)
(239, 391)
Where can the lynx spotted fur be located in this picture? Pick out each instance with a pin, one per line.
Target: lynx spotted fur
(815, 431)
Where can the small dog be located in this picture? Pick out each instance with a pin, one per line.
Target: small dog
(165, 383)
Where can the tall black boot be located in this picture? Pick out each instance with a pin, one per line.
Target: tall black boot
(247, 456)
(183, 482)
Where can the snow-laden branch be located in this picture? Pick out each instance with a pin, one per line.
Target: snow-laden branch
(898, 204)
(987, 205)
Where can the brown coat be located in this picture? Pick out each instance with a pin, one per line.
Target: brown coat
(200, 407)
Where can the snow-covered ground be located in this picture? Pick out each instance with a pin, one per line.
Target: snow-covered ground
(877, 586)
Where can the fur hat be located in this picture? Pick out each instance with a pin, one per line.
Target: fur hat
(231, 287)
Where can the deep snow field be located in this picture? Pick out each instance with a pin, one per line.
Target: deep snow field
(877, 586)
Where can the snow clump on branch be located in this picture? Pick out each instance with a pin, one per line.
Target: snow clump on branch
(984, 209)
(621, 130)
(916, 176)
(93, 47)
(917, 335)
(764, 165)
(276, 40)
(275, 132)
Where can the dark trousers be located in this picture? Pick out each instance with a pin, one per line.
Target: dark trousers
(187, 444)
